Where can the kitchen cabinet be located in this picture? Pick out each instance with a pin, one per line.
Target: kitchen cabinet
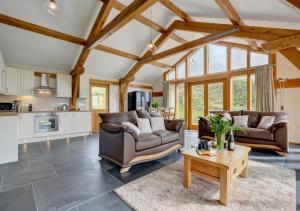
(9, 139)
(27, 82)
(26, 129)
(12, 81)
(2, 69)
(83, 121)
(83, 87)
(66, 122)
(64, 85)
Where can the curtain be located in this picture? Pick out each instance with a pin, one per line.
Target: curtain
(265, 93)
(166, 93)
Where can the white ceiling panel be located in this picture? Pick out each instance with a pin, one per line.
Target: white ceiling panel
(149, 74)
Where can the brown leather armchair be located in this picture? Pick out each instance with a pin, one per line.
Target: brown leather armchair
(121, 146)
(275, 138)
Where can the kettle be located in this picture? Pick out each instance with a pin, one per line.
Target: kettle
(64, 106)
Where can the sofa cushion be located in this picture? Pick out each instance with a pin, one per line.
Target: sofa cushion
(240, 121)
(157, 123)
(167, 136)
(143, 114)
(266, 122)
(253, 119)
(279, 116)
(144, 125)
(147, 140)
(255, 133)
(130, 116)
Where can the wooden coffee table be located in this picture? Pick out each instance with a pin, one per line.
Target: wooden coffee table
(224, 168)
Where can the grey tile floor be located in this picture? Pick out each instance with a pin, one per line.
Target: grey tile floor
(67, 175)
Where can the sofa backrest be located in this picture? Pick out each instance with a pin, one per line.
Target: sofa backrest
(255, 117)
(130, 116)
(147, 115)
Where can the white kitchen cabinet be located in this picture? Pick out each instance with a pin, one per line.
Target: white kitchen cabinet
(9, 139)
(83, 121)
(2, 69)
(83, 87)
(26, 121)
(66, 122)
(64, 85)
(12, 81)
(27, 82)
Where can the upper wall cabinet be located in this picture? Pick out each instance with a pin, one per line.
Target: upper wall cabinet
(12, 81)
(64, 85)
(83, 87)
(27, 82)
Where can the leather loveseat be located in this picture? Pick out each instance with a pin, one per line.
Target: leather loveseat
(120, 145)
(275, 138)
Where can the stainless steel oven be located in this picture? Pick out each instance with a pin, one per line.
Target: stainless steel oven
(46, 122)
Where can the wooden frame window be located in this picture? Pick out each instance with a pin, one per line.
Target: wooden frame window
(196, 63)
(238, 58)
(257, 59)
(217, 58)
(181, 70)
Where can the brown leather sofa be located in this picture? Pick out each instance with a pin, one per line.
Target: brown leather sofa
(121, 146)
(275, 138)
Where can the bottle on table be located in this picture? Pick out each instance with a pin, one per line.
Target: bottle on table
(231, 144)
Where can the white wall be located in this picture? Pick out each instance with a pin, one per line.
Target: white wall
(292, 96)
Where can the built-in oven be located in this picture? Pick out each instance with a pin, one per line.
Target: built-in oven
(46, 122)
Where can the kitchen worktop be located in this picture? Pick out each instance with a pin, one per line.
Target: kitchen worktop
(8, 113)
(52, 111)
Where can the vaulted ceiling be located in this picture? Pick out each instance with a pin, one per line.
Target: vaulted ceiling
(25, 48)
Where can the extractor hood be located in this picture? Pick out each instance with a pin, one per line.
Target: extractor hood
(45, 87)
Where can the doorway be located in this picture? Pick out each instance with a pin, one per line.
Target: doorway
(99, 101)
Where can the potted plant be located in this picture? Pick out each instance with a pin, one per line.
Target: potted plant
(155, 106)
(221, 123)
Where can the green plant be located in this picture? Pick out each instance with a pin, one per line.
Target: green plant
(155, 104)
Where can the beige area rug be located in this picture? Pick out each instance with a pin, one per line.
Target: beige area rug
(267, 188)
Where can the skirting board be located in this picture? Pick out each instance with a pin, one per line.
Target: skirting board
(294, 142)
(53, 137)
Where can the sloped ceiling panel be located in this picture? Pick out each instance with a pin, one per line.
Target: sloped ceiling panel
(106, 65)
(20, 47)
(148, 74)
(73, 19)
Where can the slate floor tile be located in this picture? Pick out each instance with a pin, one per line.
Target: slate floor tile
(173, 157)
(68, 190)
(109, 201)
(21, 198)
(136, 171)
(25, 176)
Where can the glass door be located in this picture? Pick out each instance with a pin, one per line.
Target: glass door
(197, 105)
(99, 102)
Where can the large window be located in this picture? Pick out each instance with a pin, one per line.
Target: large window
(180, 106)
(217, 58)
(172, 95)
(238, 58)
(257, 59)
(253, 92)
(171, 75)
(239, 93)
(215, 96)
(181, 70)
(197, 102)
(197, 63)
(99, 98)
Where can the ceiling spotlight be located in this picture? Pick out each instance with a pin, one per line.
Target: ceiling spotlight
(151, 46)
(52, 7)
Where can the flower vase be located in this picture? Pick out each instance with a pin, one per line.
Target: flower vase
(220, 140)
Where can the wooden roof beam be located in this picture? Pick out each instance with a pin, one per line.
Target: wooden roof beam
(176, 10)
(249, 32)
(295, 3)
(40, 29)
(234, 17)
(283, 43)
(130, 12)
(293, 55)
(190, 45)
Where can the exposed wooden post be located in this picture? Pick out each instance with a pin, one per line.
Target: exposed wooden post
(124, 84)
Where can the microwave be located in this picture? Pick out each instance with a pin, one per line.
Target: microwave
(8, 107)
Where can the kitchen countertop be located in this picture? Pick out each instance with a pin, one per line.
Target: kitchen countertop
(8, 113)
(52, 111)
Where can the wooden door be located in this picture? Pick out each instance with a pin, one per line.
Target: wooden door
(99, 101)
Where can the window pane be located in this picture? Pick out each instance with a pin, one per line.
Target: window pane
(215, 96)
(171, 75)
(197, 103)
(181, 70)
(197, 63)
(180, 101)
(238, 59)
(239, 93)
(253, 93)
(172, 95)
(257, 59)
(99, 98)
(217, 58)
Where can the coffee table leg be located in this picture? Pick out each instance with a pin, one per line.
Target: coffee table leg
(224, 186)
(244, 173)
(187, 174)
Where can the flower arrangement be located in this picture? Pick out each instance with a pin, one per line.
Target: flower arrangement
(221, 123)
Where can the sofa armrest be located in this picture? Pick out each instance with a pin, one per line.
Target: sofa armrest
(174, 124)
(280, 131)
(204, 121)
(112, 127)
